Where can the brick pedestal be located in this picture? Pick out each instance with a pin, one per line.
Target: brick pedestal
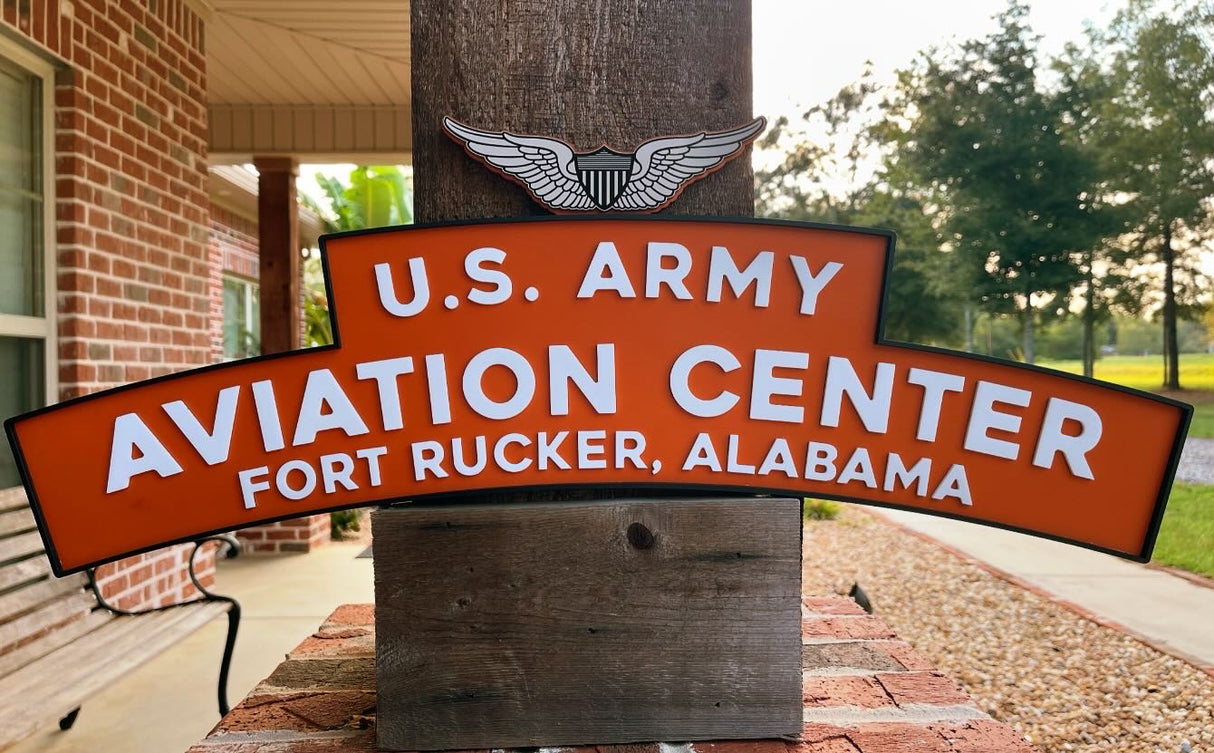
(865, 691)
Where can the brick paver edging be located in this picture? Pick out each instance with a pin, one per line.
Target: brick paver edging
(864, 691)
(1054, 598)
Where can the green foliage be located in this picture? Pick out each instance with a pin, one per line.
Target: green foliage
(1155, 129)
(1049, 204)
(977, 132)
(375, 196)
(817, 180)
(317, 328)
(343, 522)
(1186, 538)
(820, 509)
(997, 336)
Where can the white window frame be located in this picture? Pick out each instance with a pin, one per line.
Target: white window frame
(43, 327)
(247, 284)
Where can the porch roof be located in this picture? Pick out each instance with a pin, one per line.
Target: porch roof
(320, 80)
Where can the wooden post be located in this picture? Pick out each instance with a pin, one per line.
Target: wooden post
(278, 243)
(535, 622)
(615, 71)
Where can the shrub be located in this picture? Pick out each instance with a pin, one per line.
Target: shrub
(342, 522)
(820, 509)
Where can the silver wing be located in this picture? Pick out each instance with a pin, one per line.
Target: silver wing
(544, 166)
(662, 167)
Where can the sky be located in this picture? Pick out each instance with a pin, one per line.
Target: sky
(806, 50)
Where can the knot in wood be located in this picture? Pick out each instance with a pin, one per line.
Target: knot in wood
(639, 536)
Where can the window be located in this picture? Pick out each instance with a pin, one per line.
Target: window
(27, 308)
(241, 318)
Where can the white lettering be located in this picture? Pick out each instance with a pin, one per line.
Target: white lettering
(131, 435)
(812, 285)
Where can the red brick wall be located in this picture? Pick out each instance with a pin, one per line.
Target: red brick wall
(294, 535)
(232, 250)
(131, 209)
(156, 578)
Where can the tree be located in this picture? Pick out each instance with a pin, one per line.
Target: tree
(1106, 283)
(827, 173)
(976, 130)
(1157, 132)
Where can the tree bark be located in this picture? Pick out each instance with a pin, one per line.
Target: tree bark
(1171, 372)
(615, 71)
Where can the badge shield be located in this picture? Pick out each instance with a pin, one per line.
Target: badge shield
(604, 174)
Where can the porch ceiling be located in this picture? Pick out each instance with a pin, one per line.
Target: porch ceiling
(311, 78)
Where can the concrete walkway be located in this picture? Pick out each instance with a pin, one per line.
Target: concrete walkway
(169, 703)
(1197, 461)
(1172, 613)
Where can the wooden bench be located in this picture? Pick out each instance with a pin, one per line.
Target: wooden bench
(60, 642)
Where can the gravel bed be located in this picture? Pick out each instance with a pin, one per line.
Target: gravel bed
(1197, 461)
(1064, 682)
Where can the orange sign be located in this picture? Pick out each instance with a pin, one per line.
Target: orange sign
(587, 352)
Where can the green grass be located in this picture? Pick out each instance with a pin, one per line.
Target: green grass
(1146, 373)
(1203, 419)
(1186, 538)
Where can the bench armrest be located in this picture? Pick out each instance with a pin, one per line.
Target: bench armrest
(233, 549)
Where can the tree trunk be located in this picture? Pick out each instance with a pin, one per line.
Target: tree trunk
(1089, 321)
(1171, 372)
(969, 328)
(1030, 330)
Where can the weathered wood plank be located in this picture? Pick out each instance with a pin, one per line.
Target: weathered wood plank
(47, 616)
(34, 594)
(563, 624)
(14, 660)
(21, 545)
(18, 520)
(15, 573)
(90, 663)
(13, 498)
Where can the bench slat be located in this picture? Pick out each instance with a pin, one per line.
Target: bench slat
(17, 521)
(35, 594)
(21, 545)
(90, 663)
(13, 498)
(16, 573)
(16, 659)
(50, 615)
